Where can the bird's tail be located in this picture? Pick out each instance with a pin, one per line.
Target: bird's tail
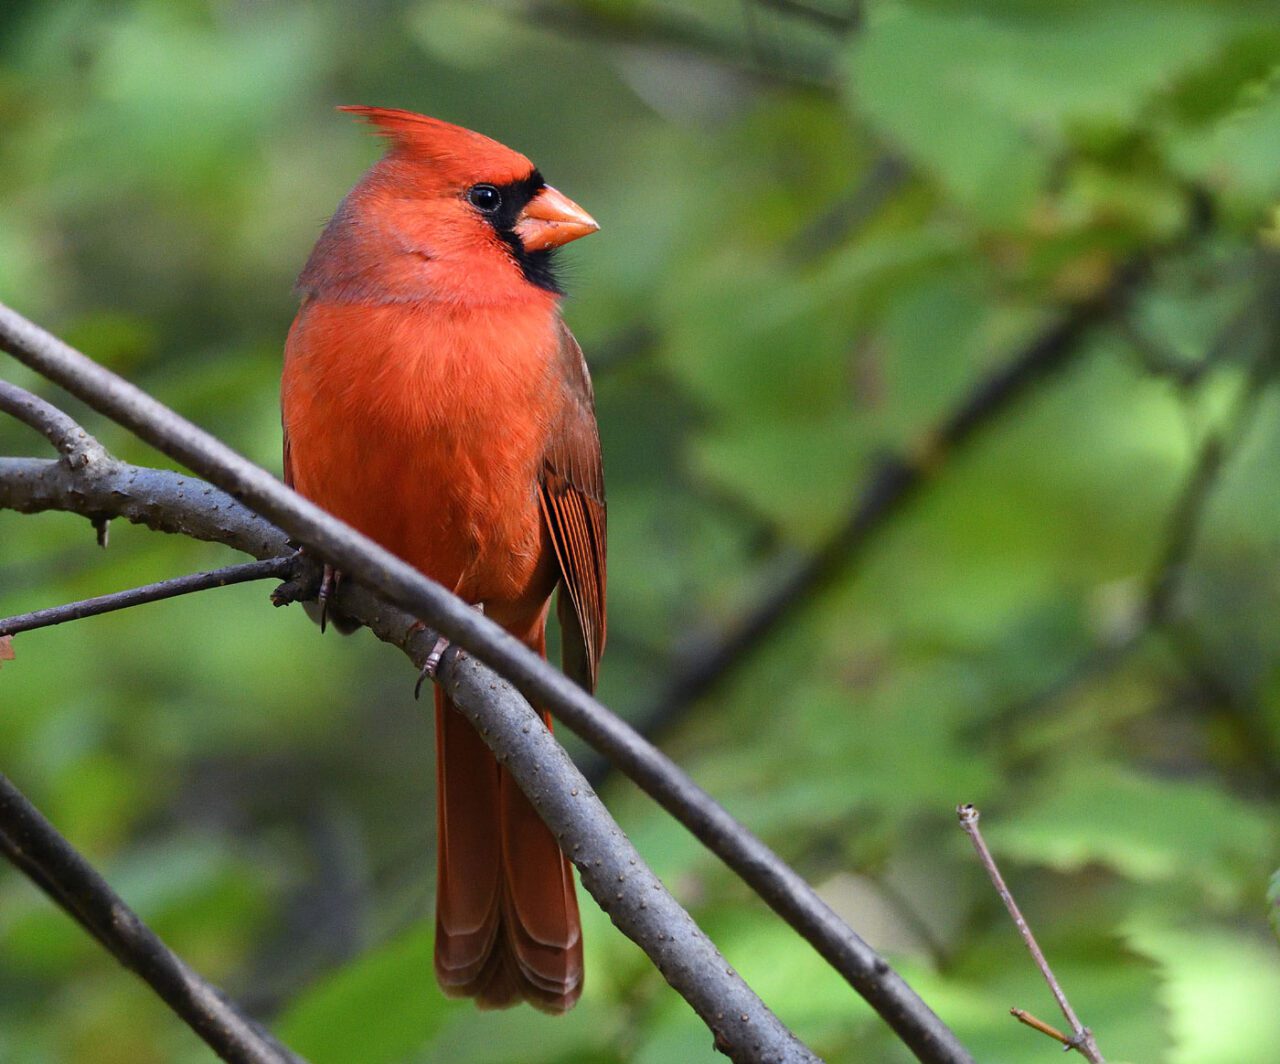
(507, 926)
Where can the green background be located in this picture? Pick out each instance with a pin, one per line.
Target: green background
(818, 234)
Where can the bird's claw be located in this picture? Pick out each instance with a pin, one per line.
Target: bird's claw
(432, 665)
(329, 585)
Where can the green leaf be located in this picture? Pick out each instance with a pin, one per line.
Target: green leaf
(1237, 154)
(987, 96)
(379, 1009)
(1149, 829)
(1220, 990)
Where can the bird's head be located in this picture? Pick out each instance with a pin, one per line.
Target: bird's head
(448, 214)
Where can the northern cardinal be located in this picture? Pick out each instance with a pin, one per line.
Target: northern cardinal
(434, 399)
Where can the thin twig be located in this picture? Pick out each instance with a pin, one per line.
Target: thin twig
(1023, 1016)
(34, 845)
(268, 569)
(74, 444)
(1082, 1039)
(419, 597)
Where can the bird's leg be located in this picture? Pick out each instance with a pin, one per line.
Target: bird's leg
(432, 663)
(329, 585)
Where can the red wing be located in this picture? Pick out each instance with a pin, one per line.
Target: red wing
(572, 496)
(288, 460)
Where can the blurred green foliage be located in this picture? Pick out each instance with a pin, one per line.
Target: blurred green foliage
(818, 234)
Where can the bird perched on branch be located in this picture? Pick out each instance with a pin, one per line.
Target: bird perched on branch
(434, 399)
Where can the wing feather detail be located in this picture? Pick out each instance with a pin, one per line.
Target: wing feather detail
(573, 506)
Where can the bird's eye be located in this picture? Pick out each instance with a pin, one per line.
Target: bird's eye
(484, 198)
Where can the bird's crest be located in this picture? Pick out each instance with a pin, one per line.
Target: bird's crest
(450, 148)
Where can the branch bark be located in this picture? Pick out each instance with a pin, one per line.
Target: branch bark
(75, 445)
(582, 821)
(268, 569)
(35, 847)
(611, 868)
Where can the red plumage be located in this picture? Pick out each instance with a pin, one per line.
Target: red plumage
(434, 399)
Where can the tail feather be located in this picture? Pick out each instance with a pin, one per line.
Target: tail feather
(543, 926)
(507, 925)
(469, 882)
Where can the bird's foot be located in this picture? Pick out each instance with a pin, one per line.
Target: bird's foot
(329, 584)
(432, 663)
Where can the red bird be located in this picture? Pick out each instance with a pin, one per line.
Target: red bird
(434, 399)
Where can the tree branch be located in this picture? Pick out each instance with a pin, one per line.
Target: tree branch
(34, 846)
(168, 501)
(75, 445)
(268, 569)
(157, 498)
(611, 868)
(578, 821)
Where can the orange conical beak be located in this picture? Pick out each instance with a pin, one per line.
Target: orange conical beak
(550, 219)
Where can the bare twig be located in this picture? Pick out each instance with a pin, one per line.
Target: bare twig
(417, 596)
(1023, 1016)
(75, 445)
(1082, 1039)
(34, 845)
(157, 498)
(268, 569)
